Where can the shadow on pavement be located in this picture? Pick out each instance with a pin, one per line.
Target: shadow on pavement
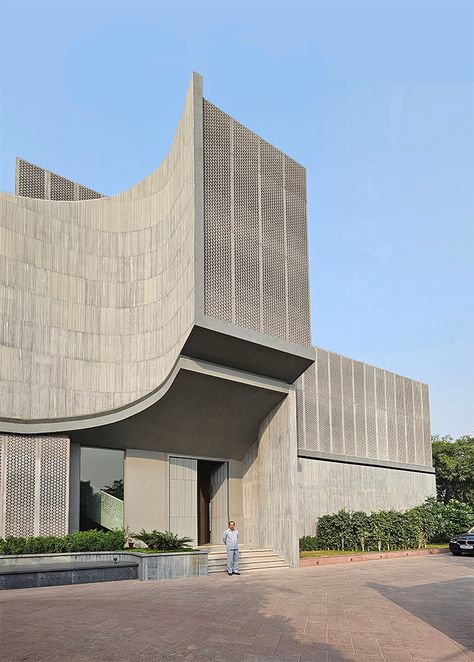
(446, 606)
(218, 619)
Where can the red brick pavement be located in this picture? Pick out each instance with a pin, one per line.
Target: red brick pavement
(397, 611)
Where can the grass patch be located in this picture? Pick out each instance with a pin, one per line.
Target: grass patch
(338, 552)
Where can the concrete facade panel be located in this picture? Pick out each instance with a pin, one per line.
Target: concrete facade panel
(146, 491)
(348, 408)
(325, 487)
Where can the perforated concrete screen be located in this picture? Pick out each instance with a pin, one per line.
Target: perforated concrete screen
(35, 182)
(34, 479)
(30, 180)
(255, 232)
(348, 408)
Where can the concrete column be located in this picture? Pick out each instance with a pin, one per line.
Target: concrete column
(269, 481)
(235, 497)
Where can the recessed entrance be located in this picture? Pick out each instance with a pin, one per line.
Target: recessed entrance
(212, 500)
(198, 499)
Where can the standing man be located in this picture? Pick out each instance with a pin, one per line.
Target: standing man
(231, 541)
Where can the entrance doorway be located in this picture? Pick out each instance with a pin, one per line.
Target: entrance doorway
(212, 510)
(198, 499)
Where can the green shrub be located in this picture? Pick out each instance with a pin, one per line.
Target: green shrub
(327, 533)
(431, 522)
(163, 540)
(79, 541)
(308, 544)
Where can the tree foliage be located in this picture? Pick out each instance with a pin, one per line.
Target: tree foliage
(453, 461)
(116, 489)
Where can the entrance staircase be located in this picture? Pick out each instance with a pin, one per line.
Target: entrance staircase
(250, 559)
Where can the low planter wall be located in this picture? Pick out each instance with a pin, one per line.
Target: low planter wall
(373, 556)
(61, 574)
(150, 566)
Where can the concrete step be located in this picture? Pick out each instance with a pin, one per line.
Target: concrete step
(244, 554)
(249, 560)
(250, 567)
(256, 564)
(245, 564)
(244, 559)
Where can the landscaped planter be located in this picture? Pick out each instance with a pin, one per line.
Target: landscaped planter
(368, 556)
(150, 566)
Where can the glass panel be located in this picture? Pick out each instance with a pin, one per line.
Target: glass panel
(101, 489)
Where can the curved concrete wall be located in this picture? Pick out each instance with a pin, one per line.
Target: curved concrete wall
(97, 296)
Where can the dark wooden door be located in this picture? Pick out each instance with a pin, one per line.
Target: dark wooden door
(204, 498)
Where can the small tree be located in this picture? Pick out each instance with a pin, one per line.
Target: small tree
(342, 522)
(360, 526)
(380, 529)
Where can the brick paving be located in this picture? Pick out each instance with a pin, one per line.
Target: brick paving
(419, 608)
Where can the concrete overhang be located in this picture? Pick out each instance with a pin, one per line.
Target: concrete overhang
(208, 411)
(226, 344)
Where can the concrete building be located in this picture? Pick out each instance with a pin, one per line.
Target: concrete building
(156, 367)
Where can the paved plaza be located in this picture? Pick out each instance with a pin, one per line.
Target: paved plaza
(382, 611)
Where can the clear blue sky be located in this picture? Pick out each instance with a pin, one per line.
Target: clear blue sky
(375, 98)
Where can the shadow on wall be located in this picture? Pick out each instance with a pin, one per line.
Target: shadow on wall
(446, 606)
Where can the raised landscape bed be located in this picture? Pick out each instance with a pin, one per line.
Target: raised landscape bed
(107, 565)
(369, 556)
(58, 574)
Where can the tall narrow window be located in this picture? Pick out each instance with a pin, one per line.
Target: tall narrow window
(101, 489)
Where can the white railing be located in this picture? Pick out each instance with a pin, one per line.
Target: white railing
(105, 509)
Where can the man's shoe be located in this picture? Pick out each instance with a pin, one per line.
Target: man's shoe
(230, 574)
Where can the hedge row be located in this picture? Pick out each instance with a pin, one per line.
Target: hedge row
(431, 522)
(79, 541)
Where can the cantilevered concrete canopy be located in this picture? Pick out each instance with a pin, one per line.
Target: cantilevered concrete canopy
(215, 413)
(228, 345)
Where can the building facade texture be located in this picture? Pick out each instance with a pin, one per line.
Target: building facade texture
(167, 329)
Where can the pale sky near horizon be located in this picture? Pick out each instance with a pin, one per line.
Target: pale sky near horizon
(375, 98)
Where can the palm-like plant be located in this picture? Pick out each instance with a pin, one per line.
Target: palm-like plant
(163, 540)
